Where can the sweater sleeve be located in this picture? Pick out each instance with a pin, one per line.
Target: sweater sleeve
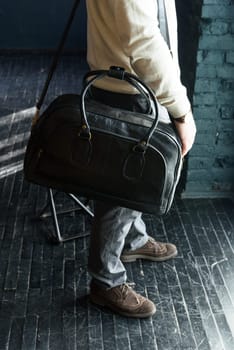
(149, 54)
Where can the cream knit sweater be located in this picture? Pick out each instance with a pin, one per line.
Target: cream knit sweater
(125, 33)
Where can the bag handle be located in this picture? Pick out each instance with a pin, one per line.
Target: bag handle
(56, 58)
(119, 73)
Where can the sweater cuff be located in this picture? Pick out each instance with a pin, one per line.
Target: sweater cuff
(179, 109)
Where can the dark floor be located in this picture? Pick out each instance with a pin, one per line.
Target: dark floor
(43, 286)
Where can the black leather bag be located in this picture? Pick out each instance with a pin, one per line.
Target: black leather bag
(83, 147)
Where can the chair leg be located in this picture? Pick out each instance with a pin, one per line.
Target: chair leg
(43, 213)
(77, 201)
(57, 237)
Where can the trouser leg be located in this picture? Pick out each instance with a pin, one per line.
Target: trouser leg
(137, 236)
(110, 228)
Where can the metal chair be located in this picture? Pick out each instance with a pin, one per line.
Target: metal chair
(57, 237)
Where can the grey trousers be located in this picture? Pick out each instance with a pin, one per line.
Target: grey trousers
(115, 228)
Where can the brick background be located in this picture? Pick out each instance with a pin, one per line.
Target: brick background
(211, 161)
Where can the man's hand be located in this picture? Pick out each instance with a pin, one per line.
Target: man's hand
(187, 132)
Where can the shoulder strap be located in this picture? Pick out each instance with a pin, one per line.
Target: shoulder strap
(163, 22)
(57, 56)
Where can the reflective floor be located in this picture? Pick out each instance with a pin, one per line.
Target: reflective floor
(44, 286)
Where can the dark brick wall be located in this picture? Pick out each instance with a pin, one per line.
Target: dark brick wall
(211, 161)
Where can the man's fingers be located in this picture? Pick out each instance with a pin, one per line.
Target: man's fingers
(187, 133)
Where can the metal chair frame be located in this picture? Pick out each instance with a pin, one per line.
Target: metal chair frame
(56, 235)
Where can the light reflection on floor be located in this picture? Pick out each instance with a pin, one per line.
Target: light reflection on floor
(10, 147)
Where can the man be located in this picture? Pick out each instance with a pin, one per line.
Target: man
(126, 34)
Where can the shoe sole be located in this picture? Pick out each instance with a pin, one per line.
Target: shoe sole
(97, 301)
(134, 257)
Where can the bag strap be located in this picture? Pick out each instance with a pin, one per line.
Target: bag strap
(56, 57)
(163, 23)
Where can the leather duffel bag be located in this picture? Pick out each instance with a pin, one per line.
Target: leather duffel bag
(84, 147)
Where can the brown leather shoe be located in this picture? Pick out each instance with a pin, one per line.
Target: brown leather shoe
(152, 250)
(122, 300)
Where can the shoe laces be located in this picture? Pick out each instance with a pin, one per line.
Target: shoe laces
(158, 246)
(124, 289)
